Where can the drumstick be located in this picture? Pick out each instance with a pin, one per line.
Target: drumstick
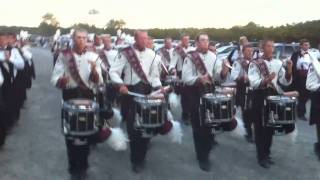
(164, 67)
(136, 94)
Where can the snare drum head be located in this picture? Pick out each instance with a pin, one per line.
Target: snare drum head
(230, 84)
(80, 104)
(217, 96)
(281, 99)
(147, 101)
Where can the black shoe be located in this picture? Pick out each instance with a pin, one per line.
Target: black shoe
(137, 168)
(270, 161)
(205, 165)
(264, 163)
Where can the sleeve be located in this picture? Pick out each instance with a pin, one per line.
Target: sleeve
(99, 71)
(117, 69)
(16, 59)
(235, 72)
(189, 75)
(254, 76)
(58, 70)
(313, 81)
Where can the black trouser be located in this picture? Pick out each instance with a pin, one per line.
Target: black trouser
(202, 136)
(2, 128)
(77, 154)
(138, 144)
(302, 100)
(263, 134)
(247, 120)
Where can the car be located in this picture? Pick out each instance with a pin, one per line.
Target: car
(284, 50)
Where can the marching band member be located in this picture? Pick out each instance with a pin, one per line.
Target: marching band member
(198, 72)
(140, 70)
(175, 67)
(237, 53)
(76, 73)
(313, 85)
(265, 77)
(301, 62)
(10, 63)
(239, 74)
(166, 52)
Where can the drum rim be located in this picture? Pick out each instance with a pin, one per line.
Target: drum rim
(148, 101)
(93, 106)
(221, 96)
(277, 98)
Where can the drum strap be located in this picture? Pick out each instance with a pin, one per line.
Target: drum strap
(181, 52)
(197, 61)
(135, 63)
(262, 67)
(74, 72)
(166, 54)
(104, 58)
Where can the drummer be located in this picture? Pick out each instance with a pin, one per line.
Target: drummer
(265, 77)
(76, 72)
(140, 69)
(239, 73)
(197, 73)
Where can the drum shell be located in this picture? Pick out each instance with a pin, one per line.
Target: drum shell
(80, 121)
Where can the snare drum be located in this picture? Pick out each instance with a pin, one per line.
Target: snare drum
(80, 117)
(150, 114)
(280, 113)
(217, 109)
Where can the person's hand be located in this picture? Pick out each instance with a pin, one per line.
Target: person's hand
(93, 64)
(123, 89)
(63, 81)
(271, 77)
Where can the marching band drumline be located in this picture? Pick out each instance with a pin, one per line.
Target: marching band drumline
(96, 80)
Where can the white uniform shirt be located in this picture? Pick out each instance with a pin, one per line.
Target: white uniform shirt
(237, 70)
(304, 61)
(111, 55)
(61, 69)
(177, 60)
(274, 65)
(15, 59)
(149, 63)
(190, 74)
(313, 78)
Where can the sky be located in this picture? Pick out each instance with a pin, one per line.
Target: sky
(161, 13)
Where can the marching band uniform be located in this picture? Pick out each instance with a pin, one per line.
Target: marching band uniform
(9, 69)
(178, 56)
(202, 136)
(313, 85)
(108, 57)
(258, 72)
(80, 84)
(140, 70)
(239, 74)
(301, 62)
(166, 56)
(2, 114)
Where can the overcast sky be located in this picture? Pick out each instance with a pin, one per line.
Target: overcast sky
(161, 13)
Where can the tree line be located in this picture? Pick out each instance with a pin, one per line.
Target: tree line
(285, 33)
